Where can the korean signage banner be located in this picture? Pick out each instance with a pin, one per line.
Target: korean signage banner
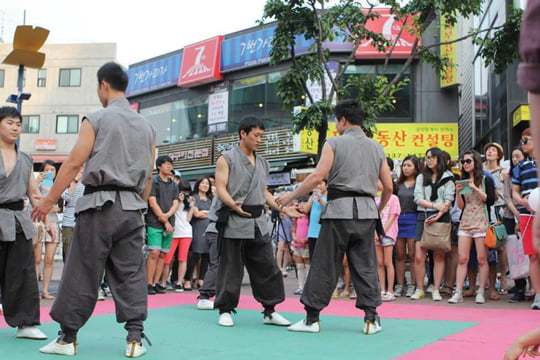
(449, 51)
(218, 104)
(390, 28)
(254, 48)
(398, 140)
(154, 75)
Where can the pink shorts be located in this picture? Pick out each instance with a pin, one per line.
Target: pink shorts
(526, 222)
(183, 248)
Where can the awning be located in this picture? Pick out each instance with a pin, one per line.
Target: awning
(39, 158)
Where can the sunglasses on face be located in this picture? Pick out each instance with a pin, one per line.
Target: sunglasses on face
(525, 140)
(466, 161)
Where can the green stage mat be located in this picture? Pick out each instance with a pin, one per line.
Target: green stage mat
(183, 332)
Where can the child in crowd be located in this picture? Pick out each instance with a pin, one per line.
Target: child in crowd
(300, 245)
(182, 236)
(384, 245)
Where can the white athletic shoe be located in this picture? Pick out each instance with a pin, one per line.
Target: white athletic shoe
(135, 349)
(225, 319)
(205, 304)
(30, 332)
(301, 326)
(55, 348)
(276, 319)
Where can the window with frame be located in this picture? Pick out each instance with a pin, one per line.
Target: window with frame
(70, 77)
(42, 78)
(2, 77)
(257, 95)
(67, 124)
(30, 124)
(179, 120)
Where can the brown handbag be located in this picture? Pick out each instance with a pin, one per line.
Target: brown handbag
(436, 237)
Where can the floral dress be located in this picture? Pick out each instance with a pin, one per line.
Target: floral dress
(473, 218)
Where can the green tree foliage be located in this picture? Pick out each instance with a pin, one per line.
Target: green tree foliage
(321, 21)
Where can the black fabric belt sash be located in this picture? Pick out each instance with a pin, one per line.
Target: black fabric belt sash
(92, 189)
(334, 194)
(254, 210)
(15, 205)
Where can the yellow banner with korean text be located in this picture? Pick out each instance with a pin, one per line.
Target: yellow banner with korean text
(398, 140)
(449, 33)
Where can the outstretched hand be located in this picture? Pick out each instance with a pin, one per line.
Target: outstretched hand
(292, 212)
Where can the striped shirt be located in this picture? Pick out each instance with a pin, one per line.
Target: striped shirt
(525, 175)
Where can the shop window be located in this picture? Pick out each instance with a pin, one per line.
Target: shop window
(257, 96)
(180, 120)
(30, 124)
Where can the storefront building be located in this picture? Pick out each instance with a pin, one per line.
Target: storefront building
(196, 96)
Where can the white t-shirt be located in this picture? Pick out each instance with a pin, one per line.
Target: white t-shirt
(182, 227)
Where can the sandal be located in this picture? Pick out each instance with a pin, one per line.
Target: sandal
(344, 294)
(446, 290)
(503, 292)
(494, 296)
(47, 296)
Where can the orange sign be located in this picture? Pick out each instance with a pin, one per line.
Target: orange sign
(390, 28)
(45, 144)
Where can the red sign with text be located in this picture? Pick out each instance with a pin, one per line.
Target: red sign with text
(390, 28)
(201, 63)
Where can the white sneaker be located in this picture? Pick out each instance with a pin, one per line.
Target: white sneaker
(205, 304)
(55, 348)
(429, 289)
(372, 327)
(410, 290)
(101, 295)
(135, 349)
(418, 294)
(301, 326)
(30, 332)
(480, 298)
(536, 303)
(276, 319)
(457, 297)
(398, 290)
(436, 295)
(225, 319)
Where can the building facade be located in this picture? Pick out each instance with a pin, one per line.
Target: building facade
(196, 96)
(62, 92)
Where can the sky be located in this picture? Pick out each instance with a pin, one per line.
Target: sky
(141, 30)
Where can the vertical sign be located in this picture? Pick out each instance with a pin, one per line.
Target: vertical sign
(218, 106)
(449, 51)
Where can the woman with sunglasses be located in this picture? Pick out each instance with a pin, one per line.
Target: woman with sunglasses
(474, 199)
(433, 194)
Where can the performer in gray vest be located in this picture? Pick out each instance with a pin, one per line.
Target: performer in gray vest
(353, 164)
(118, 146)
(245, 238)
(18, 285)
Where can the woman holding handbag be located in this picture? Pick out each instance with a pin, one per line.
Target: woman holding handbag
(475, 193)
(433, 194)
